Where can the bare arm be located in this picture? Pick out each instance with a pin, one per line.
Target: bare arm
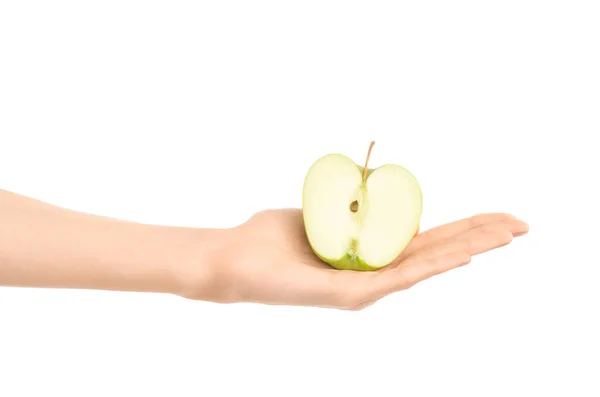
(42, 245)
(266, 259)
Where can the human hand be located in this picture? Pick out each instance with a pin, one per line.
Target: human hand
(268, 260)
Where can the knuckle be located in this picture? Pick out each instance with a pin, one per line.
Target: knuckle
(361, 306)
(434, 262)
(506, 237)
(464, 259)
(406, 281)
(477, 220)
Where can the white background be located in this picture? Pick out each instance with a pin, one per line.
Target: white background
(201, 113)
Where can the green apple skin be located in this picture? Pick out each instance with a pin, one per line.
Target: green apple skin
(352, 261)
(347, 262)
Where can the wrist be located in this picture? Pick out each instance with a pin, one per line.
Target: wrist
(202, 272)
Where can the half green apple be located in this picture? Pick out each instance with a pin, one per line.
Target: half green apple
(358, 218)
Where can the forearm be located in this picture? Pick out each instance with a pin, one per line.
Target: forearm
(46, 246)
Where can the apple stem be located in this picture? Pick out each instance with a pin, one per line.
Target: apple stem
(367, 161)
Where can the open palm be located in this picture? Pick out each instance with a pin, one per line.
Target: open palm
(279, 266)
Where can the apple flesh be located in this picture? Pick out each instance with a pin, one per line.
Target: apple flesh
(356, 219)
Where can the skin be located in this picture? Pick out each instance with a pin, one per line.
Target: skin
(266, 259)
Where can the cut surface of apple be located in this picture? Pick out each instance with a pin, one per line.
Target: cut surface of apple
(356, 220)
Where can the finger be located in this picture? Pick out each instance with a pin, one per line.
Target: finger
(476, 241)
(363, 305)
(449, 254)
(446, 231)
(404, 277)
(408, 276)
